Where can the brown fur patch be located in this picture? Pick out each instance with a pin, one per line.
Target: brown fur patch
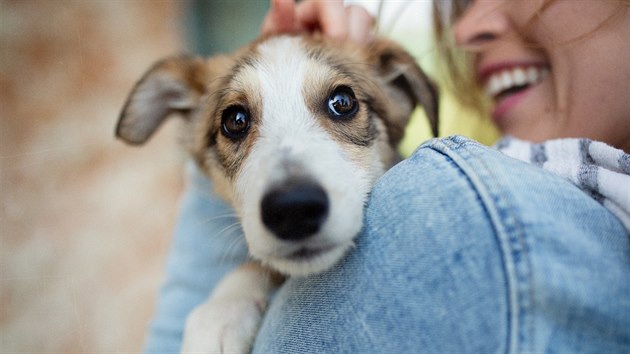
(274, 277)
(237, 86)
(333, 66)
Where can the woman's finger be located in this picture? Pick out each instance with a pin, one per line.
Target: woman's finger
(360, 24)
(280, 18)
(327, 16)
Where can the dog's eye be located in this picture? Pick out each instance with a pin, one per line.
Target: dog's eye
(342, 103)
(235, 122)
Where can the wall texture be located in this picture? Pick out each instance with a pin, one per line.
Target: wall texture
(85, 221)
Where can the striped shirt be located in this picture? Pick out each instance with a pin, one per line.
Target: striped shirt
(599, 170)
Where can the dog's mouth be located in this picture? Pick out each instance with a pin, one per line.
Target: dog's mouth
(308, 259)
(308, 253)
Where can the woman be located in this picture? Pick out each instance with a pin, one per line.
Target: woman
(465, 249)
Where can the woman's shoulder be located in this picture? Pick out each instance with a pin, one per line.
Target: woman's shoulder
(509, 188)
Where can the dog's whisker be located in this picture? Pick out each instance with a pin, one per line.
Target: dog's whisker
(232, 215)
(234, 234)
(224, 231)
(210, 220)
(228, 251)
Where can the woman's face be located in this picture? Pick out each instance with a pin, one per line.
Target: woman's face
(558, 68)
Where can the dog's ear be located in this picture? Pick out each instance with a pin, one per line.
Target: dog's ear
(172, 85)
(405, 82)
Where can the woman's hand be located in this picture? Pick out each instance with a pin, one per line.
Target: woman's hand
(330, 17)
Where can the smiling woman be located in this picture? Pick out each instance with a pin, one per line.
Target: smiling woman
(552, 69)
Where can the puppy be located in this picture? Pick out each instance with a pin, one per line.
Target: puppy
(293, 131)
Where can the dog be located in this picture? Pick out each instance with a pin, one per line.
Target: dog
(293, 131)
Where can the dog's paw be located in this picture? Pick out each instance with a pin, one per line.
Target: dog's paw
(226, 326)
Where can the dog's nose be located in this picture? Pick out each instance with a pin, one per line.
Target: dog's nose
(295, 210)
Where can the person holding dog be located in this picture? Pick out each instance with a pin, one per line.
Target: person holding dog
(465, 248)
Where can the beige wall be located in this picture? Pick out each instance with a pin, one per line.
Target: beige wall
(84, 220)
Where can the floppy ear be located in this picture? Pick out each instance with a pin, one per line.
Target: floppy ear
(171, 85)
(405, 82)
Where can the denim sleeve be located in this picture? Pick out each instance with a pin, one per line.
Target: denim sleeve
(466, 250)
(206, 245)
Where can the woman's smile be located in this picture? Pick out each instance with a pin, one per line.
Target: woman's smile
(508, 83)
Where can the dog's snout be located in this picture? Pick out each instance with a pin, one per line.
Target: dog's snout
(295, 210)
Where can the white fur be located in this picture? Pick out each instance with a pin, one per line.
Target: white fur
(228, 321)
(292, 142)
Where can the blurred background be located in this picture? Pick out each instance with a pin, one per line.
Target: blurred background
(85, 221)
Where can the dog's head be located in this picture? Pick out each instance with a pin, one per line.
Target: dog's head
(293, 131)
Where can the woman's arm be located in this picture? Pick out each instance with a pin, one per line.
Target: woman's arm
(207, 244)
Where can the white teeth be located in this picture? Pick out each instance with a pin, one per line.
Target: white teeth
(509, 78)
(532, 74)
(494, 85)
(506, 79)
(519, 76)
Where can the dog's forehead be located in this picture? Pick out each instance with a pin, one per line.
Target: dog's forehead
(271, 62)
(287, 64)
(281, 55)
(280, 68)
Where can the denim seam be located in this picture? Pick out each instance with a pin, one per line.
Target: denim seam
(515, 236)
(508, 231)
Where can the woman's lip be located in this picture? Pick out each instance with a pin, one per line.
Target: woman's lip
(504, 105)
(486, 70)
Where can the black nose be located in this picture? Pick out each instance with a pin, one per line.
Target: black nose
(294, 210)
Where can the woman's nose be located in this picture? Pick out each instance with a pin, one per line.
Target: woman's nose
(483, 22)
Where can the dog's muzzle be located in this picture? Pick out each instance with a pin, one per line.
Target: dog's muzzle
(295, 209)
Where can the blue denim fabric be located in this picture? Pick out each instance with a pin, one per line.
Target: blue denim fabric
(463, 250)
(207, 244)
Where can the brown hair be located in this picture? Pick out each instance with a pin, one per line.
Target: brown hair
(455, 66)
